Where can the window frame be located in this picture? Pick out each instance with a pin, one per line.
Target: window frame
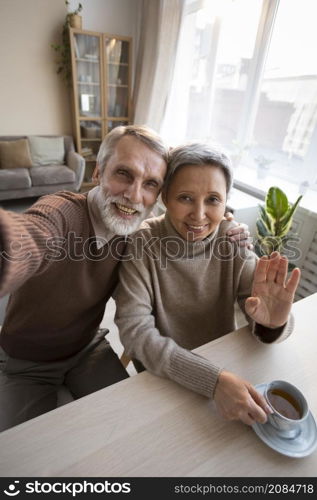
(251, 99)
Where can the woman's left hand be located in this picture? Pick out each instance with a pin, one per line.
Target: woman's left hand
(272, 296)
(240, 233)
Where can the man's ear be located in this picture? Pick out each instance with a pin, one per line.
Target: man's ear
(96, 175)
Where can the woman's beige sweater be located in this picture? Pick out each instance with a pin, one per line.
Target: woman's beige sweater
(175, 296)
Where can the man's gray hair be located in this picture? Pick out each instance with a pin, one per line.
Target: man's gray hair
(142, 133)
(198, 154)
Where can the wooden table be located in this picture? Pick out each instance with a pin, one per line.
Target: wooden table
(147, 426)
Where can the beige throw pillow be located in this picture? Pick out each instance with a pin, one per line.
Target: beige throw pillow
(15, 154)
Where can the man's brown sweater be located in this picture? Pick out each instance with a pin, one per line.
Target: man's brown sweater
(62, 282)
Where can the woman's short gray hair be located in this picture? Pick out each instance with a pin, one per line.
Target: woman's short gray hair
(144, 134)
(198, 154)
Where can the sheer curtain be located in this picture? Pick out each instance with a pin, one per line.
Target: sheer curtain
(160, 28)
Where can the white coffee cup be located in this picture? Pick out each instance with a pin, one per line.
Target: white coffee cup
(290, 408)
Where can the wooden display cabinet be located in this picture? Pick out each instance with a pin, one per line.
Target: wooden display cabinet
(101, 88)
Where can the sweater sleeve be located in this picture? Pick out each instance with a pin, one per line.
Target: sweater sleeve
(27, 239)
(261, 333)
(135, 318)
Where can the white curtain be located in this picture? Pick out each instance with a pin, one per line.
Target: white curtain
(160, 28)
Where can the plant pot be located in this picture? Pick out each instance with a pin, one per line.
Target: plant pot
(75, 21)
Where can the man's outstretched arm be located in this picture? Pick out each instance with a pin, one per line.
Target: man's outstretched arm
(26, 238)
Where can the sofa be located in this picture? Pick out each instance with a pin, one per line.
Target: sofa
(38, 165)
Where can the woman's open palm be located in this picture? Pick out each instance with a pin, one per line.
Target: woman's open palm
(272, 295)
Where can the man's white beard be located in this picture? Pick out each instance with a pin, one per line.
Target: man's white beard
(113, 221)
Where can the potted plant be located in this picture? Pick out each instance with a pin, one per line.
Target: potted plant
(75, 20)
(274, 222)
(72, 19)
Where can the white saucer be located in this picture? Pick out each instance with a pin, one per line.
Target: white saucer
(301, 446)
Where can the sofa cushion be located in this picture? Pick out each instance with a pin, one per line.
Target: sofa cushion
(15, 178)
(51, 174)
(46, 150)
(15, 154)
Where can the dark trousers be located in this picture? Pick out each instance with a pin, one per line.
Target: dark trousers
(29, 388)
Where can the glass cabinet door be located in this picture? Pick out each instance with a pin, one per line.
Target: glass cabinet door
(88, 94)
(101, 69)
(118, 81)
(88, 73)
(90, 140)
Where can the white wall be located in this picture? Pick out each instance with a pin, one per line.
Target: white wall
(116, 17)
(33, 98)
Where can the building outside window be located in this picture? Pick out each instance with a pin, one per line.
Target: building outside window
(246, 77)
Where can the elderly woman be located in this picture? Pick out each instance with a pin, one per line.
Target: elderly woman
(182, 276)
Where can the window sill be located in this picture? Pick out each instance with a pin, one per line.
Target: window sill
(247, 180)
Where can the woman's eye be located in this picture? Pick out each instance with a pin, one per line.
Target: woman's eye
(184, 198)
(213, 200)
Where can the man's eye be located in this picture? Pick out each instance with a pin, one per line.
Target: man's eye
(152, 184)
(184, 197)
(124, 173)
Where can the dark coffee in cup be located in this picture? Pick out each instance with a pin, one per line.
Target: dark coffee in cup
(285, 404)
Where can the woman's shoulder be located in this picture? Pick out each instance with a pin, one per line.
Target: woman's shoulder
(151, 227)
(145, 241)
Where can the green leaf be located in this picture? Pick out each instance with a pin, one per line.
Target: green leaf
(262, 229)
(288, 216)
(286, 221)
(276, 202)
(258, 249)
(264, 216)
(271, 244)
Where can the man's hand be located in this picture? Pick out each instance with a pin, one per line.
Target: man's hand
(236, 399)
(272, 296)
(240, 233)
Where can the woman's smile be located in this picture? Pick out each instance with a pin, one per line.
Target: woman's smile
(196, 228)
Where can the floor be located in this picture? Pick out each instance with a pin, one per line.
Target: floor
(18, 205)
(113, 335)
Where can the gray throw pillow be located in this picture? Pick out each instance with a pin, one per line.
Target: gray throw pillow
(46, 150)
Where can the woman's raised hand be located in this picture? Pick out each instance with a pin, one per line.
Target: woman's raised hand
(272, 295)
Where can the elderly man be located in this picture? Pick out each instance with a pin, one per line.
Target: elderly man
(59, 261)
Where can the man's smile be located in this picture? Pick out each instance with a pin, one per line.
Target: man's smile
(124, 210)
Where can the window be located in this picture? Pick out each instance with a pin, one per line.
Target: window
(246, 77)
